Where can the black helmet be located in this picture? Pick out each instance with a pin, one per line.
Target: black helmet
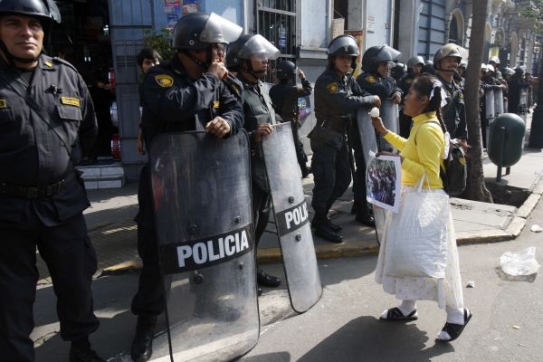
(247, 46)
(450, 50)
(413, 62)
(44, 9)
(286, 70)
(398, 71)
(378, 54)
(343, 45)
(196, 31)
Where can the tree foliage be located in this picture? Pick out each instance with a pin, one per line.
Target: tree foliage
(160, 41)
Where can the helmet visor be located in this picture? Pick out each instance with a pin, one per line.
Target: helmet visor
(220, 30)
(259, 47)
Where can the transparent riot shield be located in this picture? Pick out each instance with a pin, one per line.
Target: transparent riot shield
(369, 143)
(498, 102)
(489, 104)
(202, 198)
(292, 218)
(390, 114)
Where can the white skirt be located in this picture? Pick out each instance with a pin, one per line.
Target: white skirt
(447, 292)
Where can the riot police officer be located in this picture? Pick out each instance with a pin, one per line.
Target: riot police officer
(48, 124)
(186, 93)
(337, 98)
(284, 96)
(414, 69)
(249, 57)
(446, 61)
(375, 79)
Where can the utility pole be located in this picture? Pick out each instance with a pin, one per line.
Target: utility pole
(536, 129)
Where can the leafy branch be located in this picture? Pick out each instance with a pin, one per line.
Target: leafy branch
(160, 41)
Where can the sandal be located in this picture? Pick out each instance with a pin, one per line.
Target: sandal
(455, 330)
(395, 314)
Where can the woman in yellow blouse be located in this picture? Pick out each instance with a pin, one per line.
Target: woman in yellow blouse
(422, 154)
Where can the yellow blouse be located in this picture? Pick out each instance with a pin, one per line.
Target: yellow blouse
(424, 156)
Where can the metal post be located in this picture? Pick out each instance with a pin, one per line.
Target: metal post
(501, 154)
(536, 129)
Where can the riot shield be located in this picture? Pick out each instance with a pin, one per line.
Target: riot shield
(489, 104)
(390, 114)
(498, 102)
(202, 198)
(292, 218)
(369, 143)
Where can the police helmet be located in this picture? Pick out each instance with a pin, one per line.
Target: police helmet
(484, 67)
(196, 31)
(343, 45)
(490, 68)
(286, 70)
(45, 10)
(450, 50)
(414, 61)
(508, 71)
(378, 54)
(398, 71)
(520, 69)
(463, 64)
(248, 46)
(494, 59)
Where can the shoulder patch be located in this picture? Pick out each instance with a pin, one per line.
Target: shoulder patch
(370, 79)
(3, 103)
(332, 87)
(164, 80)
(48, 63)
(70, 101)
(460, 95)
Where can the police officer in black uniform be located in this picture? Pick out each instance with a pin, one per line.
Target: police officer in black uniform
(284, 96)
(180, 95)
(414, 69)
(337, 98)
(375, 79)
(47, 123)
(248, 57)
(446, 61)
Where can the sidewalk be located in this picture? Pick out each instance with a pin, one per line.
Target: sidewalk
(114, 235)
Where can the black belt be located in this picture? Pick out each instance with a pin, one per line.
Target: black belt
(34, 192)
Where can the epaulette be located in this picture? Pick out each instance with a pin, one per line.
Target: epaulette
(61, 61)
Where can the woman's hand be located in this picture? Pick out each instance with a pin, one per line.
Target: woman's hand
(377, 123)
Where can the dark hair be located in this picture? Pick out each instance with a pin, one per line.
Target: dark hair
(147, 53)
(423, 85)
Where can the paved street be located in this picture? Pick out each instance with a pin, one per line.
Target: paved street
(343, 325)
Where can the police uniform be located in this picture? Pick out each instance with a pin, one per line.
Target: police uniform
(285, 102)
(172, 102)
(405, 121)
(258, 109)
(42, 201)
(336, 101)
(454, 112)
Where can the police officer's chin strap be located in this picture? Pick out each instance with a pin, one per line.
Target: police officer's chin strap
(204, 65)
(251, 71)
(11, 59)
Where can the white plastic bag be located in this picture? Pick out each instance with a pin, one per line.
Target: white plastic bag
(520, 263)
(416, 242)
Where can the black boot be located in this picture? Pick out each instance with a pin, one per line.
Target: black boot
(142, 346)
(266, 279)
(324, 229)
(365, 216)
(81, 351)
(334, 227)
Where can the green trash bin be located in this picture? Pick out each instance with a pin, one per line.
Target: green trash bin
(506, 140)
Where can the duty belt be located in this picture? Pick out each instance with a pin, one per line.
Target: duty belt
(34, 192)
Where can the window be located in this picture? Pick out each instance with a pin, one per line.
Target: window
(276, 21)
